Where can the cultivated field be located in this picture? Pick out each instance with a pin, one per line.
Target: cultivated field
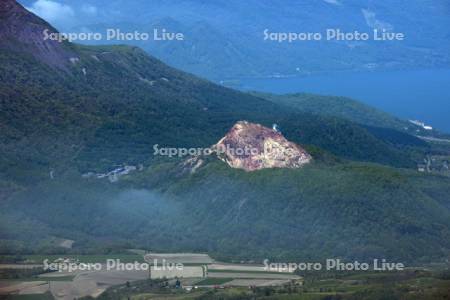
(245, 275)
(184, 258)
(197, 269)
(257, 282)
(23, 288)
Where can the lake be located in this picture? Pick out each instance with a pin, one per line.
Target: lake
(419, 94)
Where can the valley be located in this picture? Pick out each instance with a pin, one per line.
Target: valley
(218, 281)
(92, 276)
(243, 282)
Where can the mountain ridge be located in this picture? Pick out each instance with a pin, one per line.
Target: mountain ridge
(228, 42)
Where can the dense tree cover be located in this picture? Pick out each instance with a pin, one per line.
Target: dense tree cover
(113, 104)
(127, 102)
(349, 210)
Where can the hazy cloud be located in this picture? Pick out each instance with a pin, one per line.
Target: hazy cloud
(89, 9)
(335, 2)
(52, 11)
(375, 23)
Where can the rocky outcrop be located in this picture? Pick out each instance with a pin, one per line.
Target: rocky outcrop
(22, 31)
(252, 147)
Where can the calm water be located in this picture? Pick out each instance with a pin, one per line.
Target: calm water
(422, 95)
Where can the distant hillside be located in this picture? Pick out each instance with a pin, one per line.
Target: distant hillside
(225, 39)
(348, 109)
(342, 107)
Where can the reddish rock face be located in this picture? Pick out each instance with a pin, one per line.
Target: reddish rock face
(22, 31)
(252, 147)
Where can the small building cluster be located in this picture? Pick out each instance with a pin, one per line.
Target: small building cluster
(115, 174)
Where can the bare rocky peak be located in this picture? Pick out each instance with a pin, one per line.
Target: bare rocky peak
(22, 31)
(251, 146)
